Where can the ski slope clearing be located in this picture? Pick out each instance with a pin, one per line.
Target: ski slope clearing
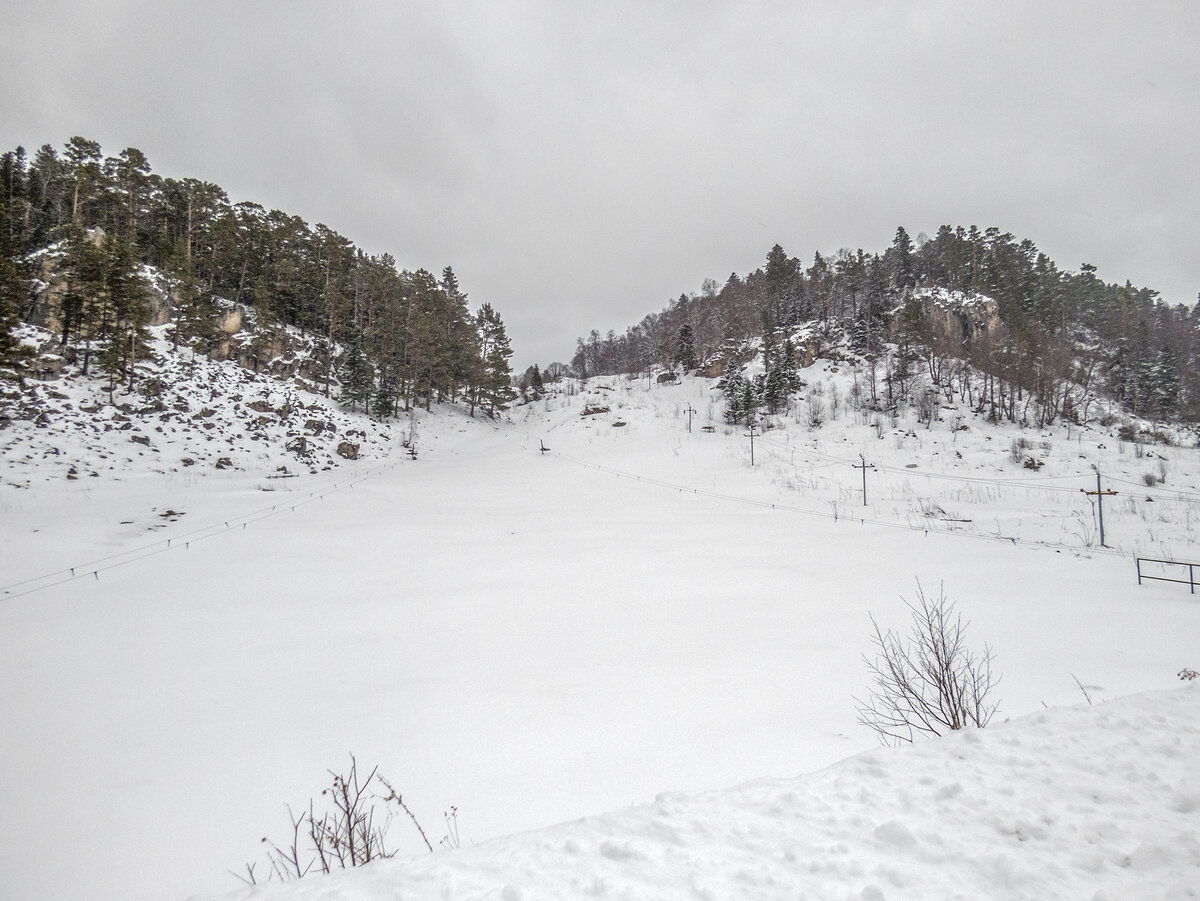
(1095, 802)
(537, 637)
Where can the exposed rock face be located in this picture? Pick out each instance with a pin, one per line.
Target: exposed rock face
(961, 317)
(48, 366)
(348, 450)
(807, 352)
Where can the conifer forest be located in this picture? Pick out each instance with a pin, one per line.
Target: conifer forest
(387, 338)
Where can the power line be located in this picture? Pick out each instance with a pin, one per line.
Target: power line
(701, 492)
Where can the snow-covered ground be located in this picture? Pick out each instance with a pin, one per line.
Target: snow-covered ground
(535, 638)
(1088, 802)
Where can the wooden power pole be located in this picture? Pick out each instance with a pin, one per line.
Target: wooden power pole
(1099, 494)
(864, 466)
(750, 435)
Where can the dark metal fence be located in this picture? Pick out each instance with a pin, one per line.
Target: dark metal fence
(1191, 576)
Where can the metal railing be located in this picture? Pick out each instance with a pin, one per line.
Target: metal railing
(1191, 575)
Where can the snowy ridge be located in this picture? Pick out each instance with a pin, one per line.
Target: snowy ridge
(1089, 802)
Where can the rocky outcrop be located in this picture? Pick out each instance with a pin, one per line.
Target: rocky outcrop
(960, 317)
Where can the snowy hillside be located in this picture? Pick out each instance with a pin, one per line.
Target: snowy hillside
(185, 411)
(538, 637)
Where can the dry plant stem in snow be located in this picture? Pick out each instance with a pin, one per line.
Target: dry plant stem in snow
(928, 681)
(347, 834)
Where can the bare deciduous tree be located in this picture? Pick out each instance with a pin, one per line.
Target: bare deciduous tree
(928, 681)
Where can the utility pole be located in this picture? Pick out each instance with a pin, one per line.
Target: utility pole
(1099, 495)
(689, 411)
(864, 466)
(750, 435)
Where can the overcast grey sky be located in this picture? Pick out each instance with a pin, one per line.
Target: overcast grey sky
(581, 163)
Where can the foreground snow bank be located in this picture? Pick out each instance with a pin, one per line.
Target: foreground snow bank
(1090, 802)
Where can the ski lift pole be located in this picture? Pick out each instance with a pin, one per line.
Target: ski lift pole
(750, 435)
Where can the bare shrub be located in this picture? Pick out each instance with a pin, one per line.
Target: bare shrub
(927, 403)
(1016, 451)
(349, 832)
(816, 411)
(927, 682)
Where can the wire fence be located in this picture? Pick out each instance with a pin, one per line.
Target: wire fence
(93, 568)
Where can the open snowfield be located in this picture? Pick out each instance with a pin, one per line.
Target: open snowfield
(535, 638)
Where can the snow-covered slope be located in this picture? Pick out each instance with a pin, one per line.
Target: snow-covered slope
(537, 637)
(185, 412)
(1097, 802)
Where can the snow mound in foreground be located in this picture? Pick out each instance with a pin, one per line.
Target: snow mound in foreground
(1089, 802)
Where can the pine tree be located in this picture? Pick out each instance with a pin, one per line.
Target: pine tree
(356, 373)
(1166, 382)
(386, 398)
(13, 287)
(493, 392)
(750, 401)
(778, 382)
(903, 277)
(732, 375)
(195, 309)
(125, 315)
(686, 350)
(734, 387)
(14, 283)
(789, 364)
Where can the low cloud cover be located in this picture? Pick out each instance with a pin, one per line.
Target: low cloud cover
(579, 165)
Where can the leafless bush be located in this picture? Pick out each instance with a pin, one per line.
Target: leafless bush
(1187, 674)
(350, 832)
(928, 681)
(816, 411)
(927, 403)
(1016, 451)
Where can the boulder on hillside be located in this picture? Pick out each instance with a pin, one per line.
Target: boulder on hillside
(348, 450)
